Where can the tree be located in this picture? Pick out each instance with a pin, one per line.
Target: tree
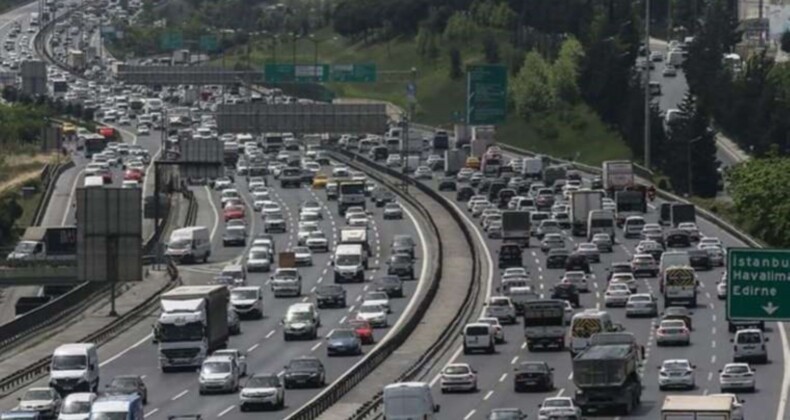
(693, 133)
(455, 64)
(759, 204)
(460, 27)
(785, 41)
(531, 90)
(565, 71)
(490, 48)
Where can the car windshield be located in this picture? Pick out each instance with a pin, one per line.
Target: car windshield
(370, 309)
(676, 366)
(749, 338)
(532, 367)
(736, 369)
(75, 407)
(37, 395)
(216, 367)
(301, 250)
(342, 334)
(244, 294)
(76, 362)
(505, 415)
(304, 364)
(401, 259)
(557, 403)
(347, 260)
(259, 255)
(109, 415)
(263, 382)
(299, 316)
(124, 383)
(376, 296)
(640, 299)
(456, 370)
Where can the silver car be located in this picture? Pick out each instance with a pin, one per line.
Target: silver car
(603, 241)
(641, 304)
(676, 373)
(589, 250)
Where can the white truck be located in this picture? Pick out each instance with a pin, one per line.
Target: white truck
(699, 407)
(45, 244)
(582, 203)
(454, 160)
(544, 323)
(532, 168)
(617, 175)
(516, 227)
(352, 235)
(193, 323)
(411, 145)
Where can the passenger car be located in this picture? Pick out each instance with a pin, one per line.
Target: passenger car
(676, 373)
(127, 384)
(363, 329)
(673, 331)
(578, 279)
(218, 374)
(533, 375)
(499, 332)
(566, 291)
(558, 406)
(458, 377)
(603, 241)
(642, 304)
(45, 401)
(262, 390)
(331, 295)
(390, 284)
(392, 210)
(343, 341)
(304, 371)
(401, 264)
(590, 251)
(373, 313)
(617, 294)
(737, 376)
(238, 358)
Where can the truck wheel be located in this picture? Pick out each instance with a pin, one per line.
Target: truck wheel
(466, 350)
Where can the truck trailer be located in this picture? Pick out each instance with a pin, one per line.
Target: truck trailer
(698, 407)
(516, 227)
(582, 203)
(617, 175)
(682, 213)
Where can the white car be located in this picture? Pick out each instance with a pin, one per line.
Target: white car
(143, 130)
(641, 304)
(501, 308)
(515, 272)
(499, 332)
(673, 331)
(627, 279)
(45, 401)
(692, 229)
(374, 314)
(236, 355)
(423, 172)
(378, 298)
(269, 207)
(303, 255)
(568, 312)
(617, 294)
(721, 289)
(359, 221)
(262, 390)
(317, 241)
(676, 373)
(313, 207)
(578, 279)
(709, 240)
(458, 377)
(558, 407)
(77, 406)
(737, 376)
(256, 182)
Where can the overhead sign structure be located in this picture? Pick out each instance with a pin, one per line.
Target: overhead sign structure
(302, 118)
(300, 73)
(201, 158)
(172, 40)
(181, 75)
(354, 73)
(758, 282)
(208, 43)
(486, 94)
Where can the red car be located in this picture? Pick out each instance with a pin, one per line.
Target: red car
(107, 176)
(133, 175)
(363, 329)
(233, 212)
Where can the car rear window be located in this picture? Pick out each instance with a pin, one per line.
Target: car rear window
(477, 330)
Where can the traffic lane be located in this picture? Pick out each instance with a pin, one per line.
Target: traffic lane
(673, 88)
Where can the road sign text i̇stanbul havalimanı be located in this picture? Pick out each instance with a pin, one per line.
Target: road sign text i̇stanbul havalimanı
(758, 282)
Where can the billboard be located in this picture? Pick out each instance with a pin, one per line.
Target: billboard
(302, 118)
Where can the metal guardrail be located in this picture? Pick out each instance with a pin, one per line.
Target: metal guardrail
(362, 369)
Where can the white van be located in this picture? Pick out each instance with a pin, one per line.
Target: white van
(189, 244)
(478, 336)
(77, 406)
(118, 407)
(74, 368)
(750, 345)
(350, 262)
(633, 226)
(94, 181)
(600, 221)
(409, 400)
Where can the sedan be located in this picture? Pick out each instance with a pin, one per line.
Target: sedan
(303, 256)
(692, 229)
(343, 341)
(669, 71)
(235, 236)
(552, 241)
(458, 377)
(304, 371)
(45, 401)
(578, 279)
(391, 285)
(127, 384)
(642, 304)
(715, 255)
(676, 373)
(423, 172)
(316, 241)
(378, 298)
(506, 414)
(589, 250)
(262, 390)
(736, 377)
(233, 212)
(603, 241)
(617, 294)
(375, 314)
(673, 332)
(401, 265)
(393, 211)
(627, 279)
(721, 289)
(533, 375)
(554, 407)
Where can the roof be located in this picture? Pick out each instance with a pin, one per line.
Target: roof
(193, 290)
(612, 351)
(697, 403)
(79, 348)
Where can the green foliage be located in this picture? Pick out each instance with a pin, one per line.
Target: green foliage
(785, 41)
(692, 134)
(10, 211)
(565, 71)
(531, 90)
(761, 201)
(456, 70)
(460, 28)
(490, 48)
(21, 124)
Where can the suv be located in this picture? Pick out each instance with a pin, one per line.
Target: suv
(750, 345)
(479, 336)
(218, 374)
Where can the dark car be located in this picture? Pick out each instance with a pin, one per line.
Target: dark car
(733, 326)
(403, 244)
(619, 267)
(234, 237)
(557, 258)
(306, 372)
(447, 184)
(401, 265)
(504, 197)
(596, 183)
(331, 295)
(533, 375)
(563, 220)
(383, 196)
(577, 262)
(677, 238)
(700, 260)
(678, 312)
(657, 237)
(494, 189)
(343, 341)
(566, 291)
(510, 255)
(464, 194)
(390, 284)
(379, 153)
(126, 385)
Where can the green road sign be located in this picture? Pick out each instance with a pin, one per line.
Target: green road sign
(208, 43)
(354, 73)
(301, 73)
(758, 283)
(172, 41)
(486, 94)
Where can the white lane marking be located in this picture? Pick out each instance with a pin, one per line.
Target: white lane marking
(515, 359)
(713, 344)
(710, 376)
(71, 197)
(143, 376)
(502, 378)
(342, 320)
(560, 392)
(470, 414)
(126, 350)
(316, 346)
(180, 394)
(271, 333)
(225, 411)
(488, 395)
(570, 377)
(305, 299)
(780, 411)
(253, 347)
(214, 211)
(151, 412)
(351, 309)
(713, 359)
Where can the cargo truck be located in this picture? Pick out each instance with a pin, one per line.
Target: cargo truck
(617, 175)
(355, 236)
(544, 323)
(516, 227)
(350, 194)
(682, 213)
(454, 160)
(193, 323)
(441, 140)
(606, 375)
(699, 407)
(46, 244)
(532, 168)
(411, 145)
(630, 203)
(582, 203)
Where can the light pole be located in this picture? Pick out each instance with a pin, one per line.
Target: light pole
(688, 163)
(647, 85)
(315, 42)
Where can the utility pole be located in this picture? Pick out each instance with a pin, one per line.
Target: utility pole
(647, 84)
(406, 134)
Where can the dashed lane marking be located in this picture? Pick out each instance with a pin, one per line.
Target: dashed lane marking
(180, 394)
(253, 347)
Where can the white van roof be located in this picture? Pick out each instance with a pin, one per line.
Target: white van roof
(345, 249)
(94, 181)
(187, 231)
(75, 348)
(399, 387)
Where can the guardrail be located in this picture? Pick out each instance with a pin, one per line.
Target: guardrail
(362, 369)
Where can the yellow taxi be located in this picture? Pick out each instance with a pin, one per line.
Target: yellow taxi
(68, 128)
(320, 181)
(473, 162)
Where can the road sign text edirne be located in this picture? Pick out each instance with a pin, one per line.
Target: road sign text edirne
(758, 283)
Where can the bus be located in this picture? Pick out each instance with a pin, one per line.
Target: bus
(585, 324)
(544, 323)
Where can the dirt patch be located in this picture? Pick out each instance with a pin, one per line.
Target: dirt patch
(19, 180)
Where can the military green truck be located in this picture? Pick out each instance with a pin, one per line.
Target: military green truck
(606, 375)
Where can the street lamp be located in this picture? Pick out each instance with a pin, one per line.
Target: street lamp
(688, 163)
(315, 42)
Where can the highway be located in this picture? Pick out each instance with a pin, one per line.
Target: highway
(710, 348)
